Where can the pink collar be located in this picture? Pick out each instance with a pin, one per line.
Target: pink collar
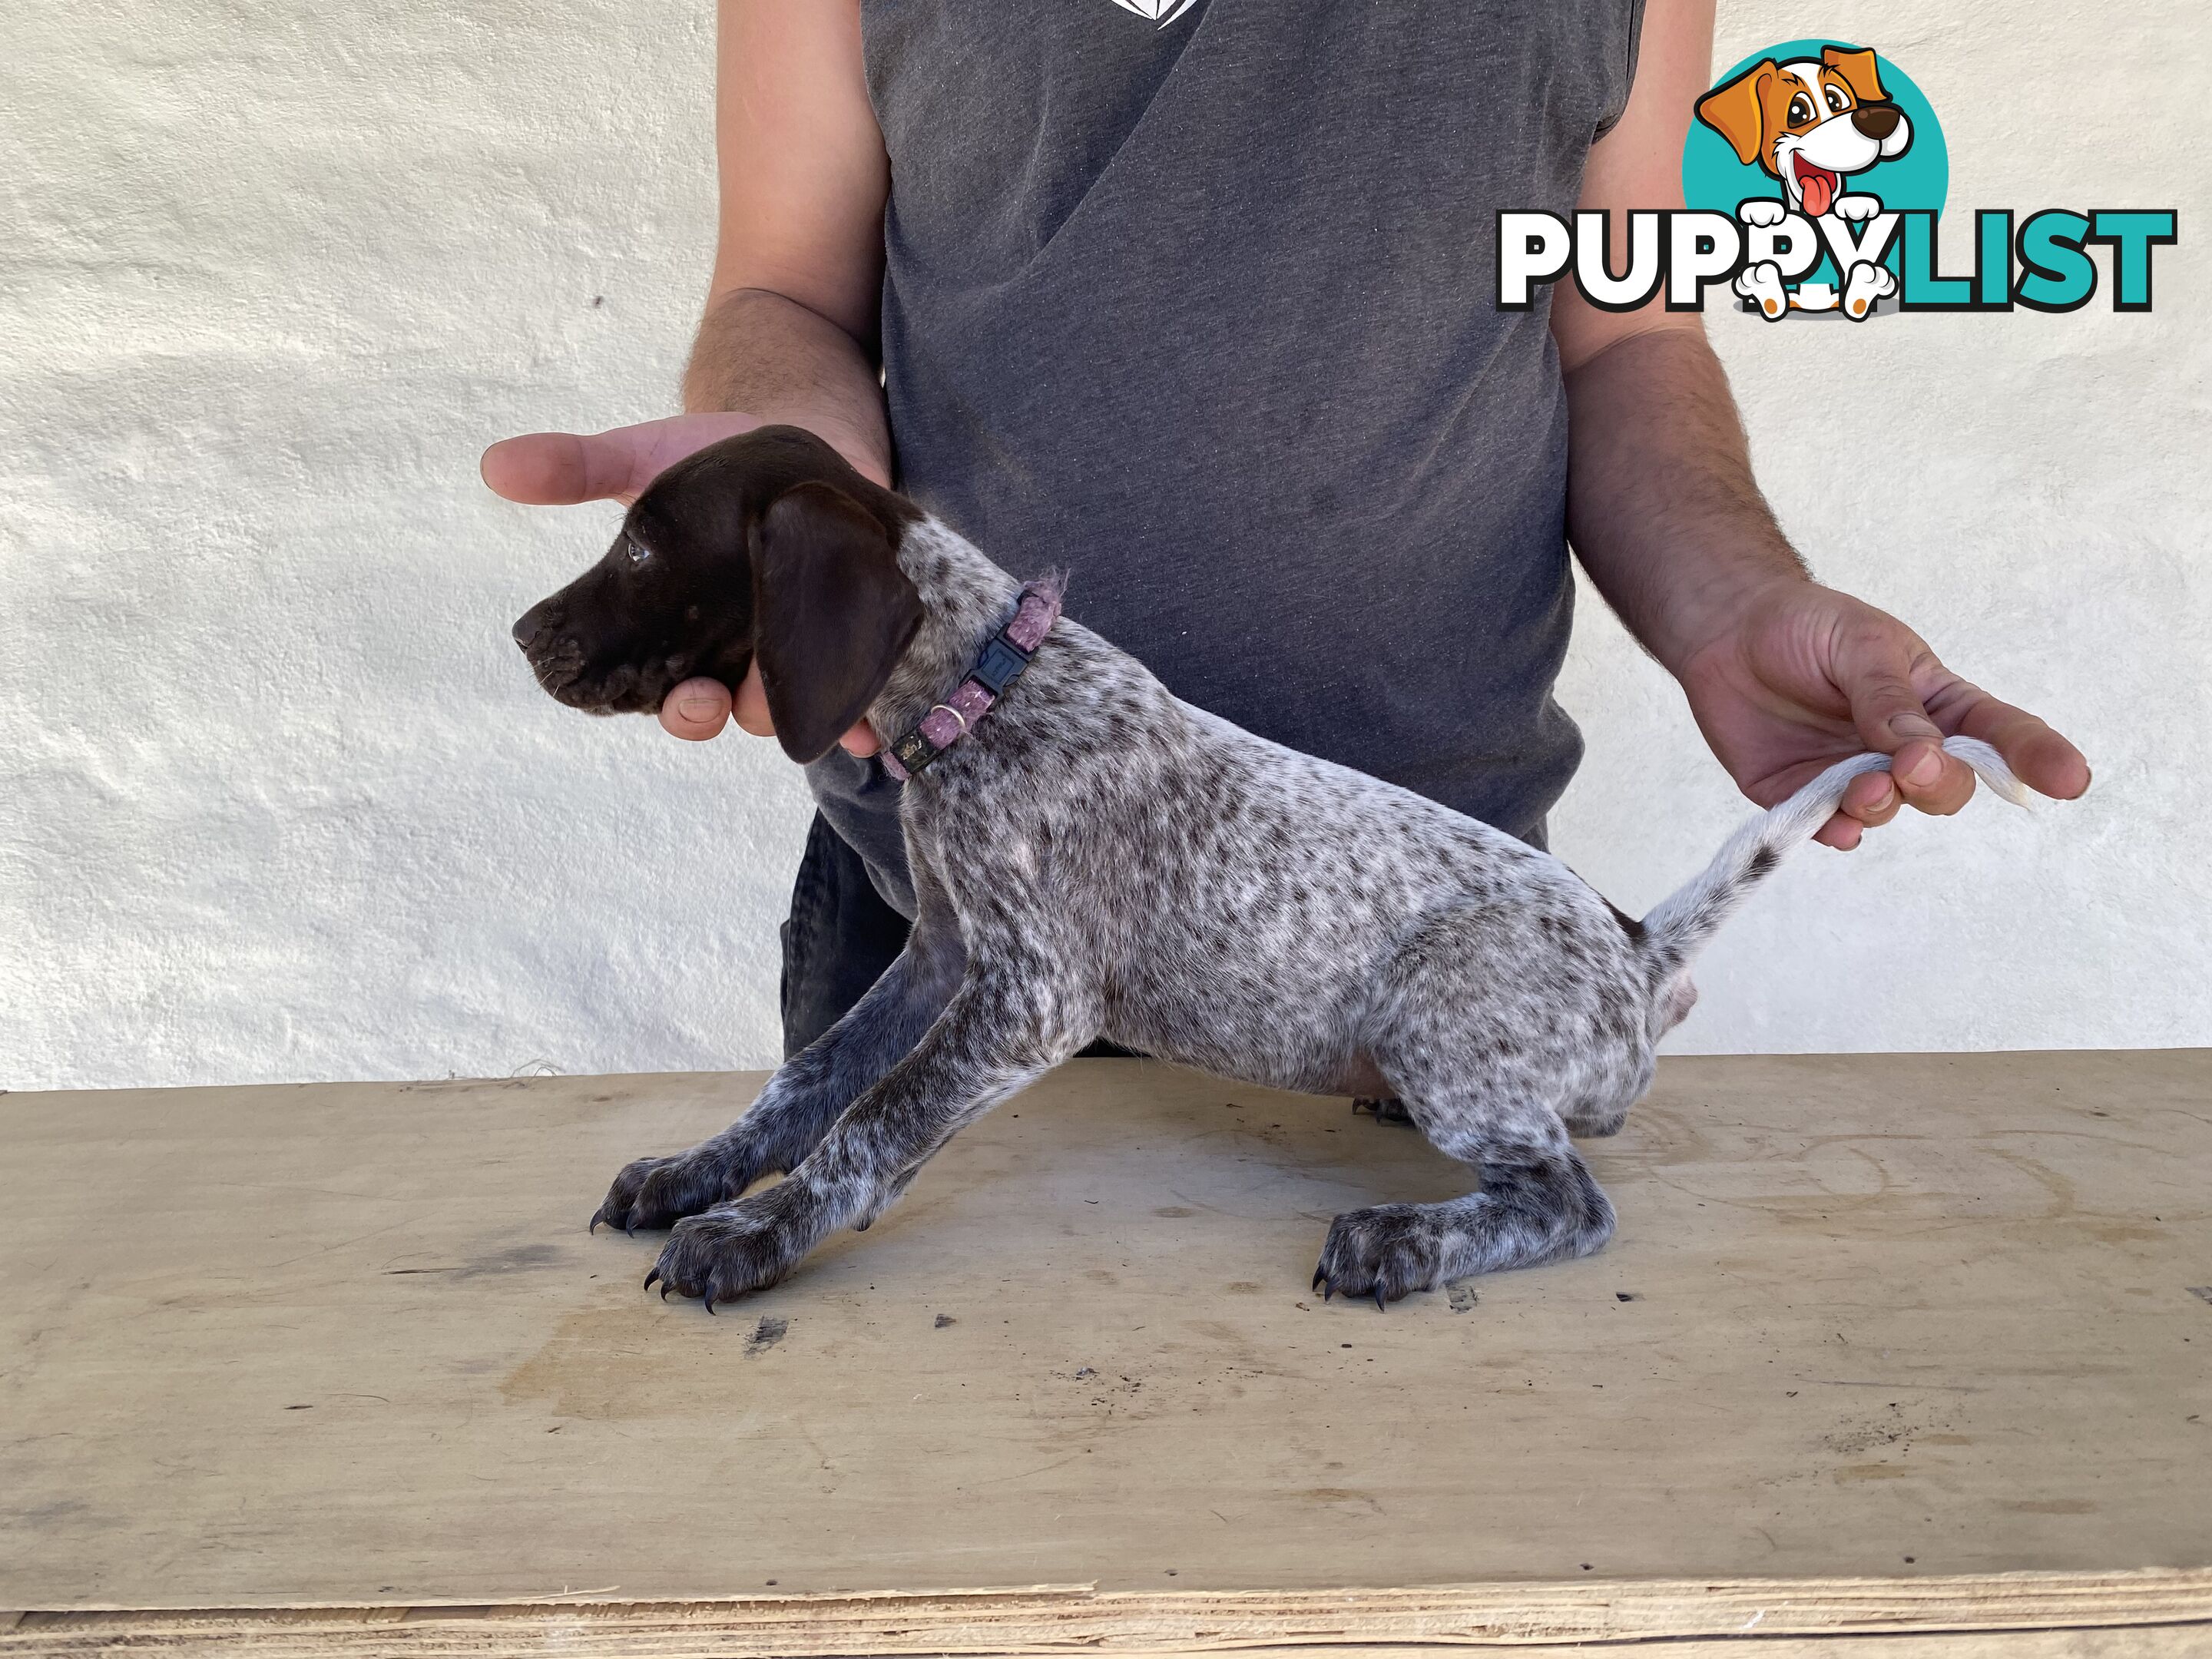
(998, 665)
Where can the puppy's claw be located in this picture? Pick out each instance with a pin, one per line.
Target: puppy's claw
(664, 1290)
(649, 1277)
(1318, 1277)
(706, 1296)
(1328, 1289)
(598, 1216)
(1380, 1305)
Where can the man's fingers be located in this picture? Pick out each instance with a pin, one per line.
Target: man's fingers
(1840, 832)
(1884, 708)
(2039, 757)
(559, 469)
(750, 707)
(1931, 781)
(1868, 801)
(1890, 717)
(1871, 799)
(697, 710)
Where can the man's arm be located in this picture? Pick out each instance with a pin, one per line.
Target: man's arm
(1784, 675)
(791, 313)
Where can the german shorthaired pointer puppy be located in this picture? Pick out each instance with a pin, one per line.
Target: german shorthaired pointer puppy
(1092, 858)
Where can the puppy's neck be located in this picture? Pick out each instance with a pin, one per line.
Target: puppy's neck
(965, 599)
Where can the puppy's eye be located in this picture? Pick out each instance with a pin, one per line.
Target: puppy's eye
(1837, 102)
(639, 552)
(1800, 109)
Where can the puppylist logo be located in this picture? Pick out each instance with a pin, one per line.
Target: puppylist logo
(1814, 172)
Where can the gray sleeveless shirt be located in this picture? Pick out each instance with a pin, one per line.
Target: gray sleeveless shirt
(1201, 311)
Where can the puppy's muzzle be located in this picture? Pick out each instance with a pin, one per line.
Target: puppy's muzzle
(535, 623)
(555, 657)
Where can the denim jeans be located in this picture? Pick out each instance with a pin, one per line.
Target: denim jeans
(851, 904)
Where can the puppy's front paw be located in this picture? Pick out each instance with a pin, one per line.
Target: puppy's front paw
(1762, 210)
(653, 1192)
(748, 1245)
(1383, 1252)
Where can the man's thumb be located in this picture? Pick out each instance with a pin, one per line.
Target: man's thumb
(1884, 708)
(556, 469)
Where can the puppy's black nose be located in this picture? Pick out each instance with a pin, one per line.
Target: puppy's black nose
(1877, 121)
(533, 622)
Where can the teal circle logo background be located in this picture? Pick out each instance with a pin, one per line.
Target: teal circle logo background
(1920, 178)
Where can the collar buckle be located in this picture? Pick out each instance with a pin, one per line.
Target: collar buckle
(998, 665)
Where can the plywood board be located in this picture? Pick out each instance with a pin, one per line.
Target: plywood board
(1895, 1318)
(1766, 1621)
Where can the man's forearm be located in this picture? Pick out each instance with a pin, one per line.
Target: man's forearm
(772, 357)
(1661, 507)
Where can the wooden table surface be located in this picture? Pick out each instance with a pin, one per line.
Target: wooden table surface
(1875, 1330)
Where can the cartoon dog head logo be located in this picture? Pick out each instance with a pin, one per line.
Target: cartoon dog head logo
(1811, 123)
(1815, 118)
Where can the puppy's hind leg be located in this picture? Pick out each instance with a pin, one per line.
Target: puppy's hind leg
(804, 1096)
(1539, 1203)
(1482, 1035)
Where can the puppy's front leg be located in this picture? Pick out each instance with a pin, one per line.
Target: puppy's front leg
(803, 1098)
(998, 1033)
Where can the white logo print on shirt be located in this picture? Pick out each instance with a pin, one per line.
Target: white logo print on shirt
(1162, 12)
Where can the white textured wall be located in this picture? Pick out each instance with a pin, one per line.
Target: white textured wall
(278, 801)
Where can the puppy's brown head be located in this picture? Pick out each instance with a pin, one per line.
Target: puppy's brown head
(764, 547)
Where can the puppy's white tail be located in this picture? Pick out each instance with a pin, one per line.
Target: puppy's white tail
(1679, 928)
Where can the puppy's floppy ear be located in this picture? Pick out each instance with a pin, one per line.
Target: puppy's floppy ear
(1857, 68)
(832, 614)
(1737, 112)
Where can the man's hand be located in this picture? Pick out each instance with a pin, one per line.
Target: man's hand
(1806, 677)
(562, 468)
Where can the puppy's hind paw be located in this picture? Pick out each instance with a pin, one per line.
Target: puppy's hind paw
(654, 1192)
(1388, 1110)
(1385, 1252)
